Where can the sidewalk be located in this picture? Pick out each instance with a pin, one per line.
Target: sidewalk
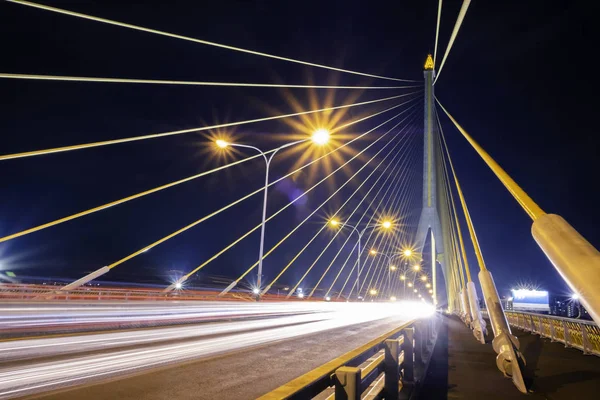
(462, 368)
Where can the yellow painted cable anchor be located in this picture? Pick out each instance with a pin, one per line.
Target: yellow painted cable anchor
(530, 207)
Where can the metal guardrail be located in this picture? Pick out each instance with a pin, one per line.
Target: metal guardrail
(580, 334)
(92, 293)
(389, 367)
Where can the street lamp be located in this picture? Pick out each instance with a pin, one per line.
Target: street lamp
(373, 292)
(319, 137)
(407, 252)
(389, 257)
(424, 278)
(385, 224)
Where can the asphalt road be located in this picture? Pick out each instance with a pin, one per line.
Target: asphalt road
(233, 359)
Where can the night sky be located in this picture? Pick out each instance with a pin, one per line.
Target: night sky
(517, 79)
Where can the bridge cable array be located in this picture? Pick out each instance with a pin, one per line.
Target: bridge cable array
(182, 131)
(190, 39)
(459, 20)
(60, 78)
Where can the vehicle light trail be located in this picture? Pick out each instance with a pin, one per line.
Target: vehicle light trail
(107, 355)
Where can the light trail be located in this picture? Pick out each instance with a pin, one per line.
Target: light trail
(114, 356)
(182, 131)
(190, 39)
(65, 78)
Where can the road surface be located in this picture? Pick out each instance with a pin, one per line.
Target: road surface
(241, 358)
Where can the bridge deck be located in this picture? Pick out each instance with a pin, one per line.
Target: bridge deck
(462, 368)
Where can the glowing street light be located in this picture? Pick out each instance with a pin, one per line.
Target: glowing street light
(386, 224)
(393, 267)
(424, 278)
(373, 292)
(319, 137)
(300, 295)
(407, 252)
(178, 285)
(417, 267)
(575, 296)
(416, 291)
(256, 290)
(428, 285)
(410, 284)
(430, 290)
(402, 277)
(393, 298)
(327, 298)
(221, 143)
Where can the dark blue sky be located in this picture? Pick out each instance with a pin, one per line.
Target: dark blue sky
(516, 79)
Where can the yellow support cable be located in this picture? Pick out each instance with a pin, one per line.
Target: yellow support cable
(530, 207)
(460, 236)
(339, 231)
(280, 210)
(171, 184)
(182, 131)
(190, 39)
(463, 202)
(92, 79)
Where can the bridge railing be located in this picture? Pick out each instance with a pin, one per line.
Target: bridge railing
(93, 293)
(580, 334)
(389, 367)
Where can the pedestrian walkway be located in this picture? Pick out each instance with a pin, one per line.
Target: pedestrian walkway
(462, 368)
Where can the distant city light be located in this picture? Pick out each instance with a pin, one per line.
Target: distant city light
(178, 285)
(373, 252)
(410, 284)
(575, 296)
(256, 290)
(373, 292)
(300, 295)
(327, 298)
(393, 298)
(393, 267)
(402, 277)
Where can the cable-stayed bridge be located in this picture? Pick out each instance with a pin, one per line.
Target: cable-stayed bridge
(329, 248)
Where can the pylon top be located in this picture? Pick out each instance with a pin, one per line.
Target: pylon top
(429, 62)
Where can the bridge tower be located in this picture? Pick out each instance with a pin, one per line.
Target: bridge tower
(430, 217)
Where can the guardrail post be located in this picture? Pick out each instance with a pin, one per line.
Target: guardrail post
(391, 369)
(584, 339)
(347, 383)
(551, 325)
(531, 324)
(567, 334)
(408, 365)
(418, 346)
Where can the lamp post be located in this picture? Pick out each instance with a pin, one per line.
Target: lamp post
(385, 225)
(319, 137)
(391, 267)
